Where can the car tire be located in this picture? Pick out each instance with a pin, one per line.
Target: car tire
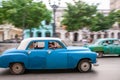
(100, 54)
(84, 66)
(17, 68)
(119, 55)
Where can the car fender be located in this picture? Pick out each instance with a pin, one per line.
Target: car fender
(12, 58)
(75, 58)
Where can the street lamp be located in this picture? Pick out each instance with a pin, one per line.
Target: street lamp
(54, 7)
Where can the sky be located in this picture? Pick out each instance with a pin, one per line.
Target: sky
(103, 4)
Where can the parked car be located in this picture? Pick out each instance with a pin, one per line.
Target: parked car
(106, 46)
(36, 53)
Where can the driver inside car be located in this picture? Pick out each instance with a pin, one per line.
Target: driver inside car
(52, 45)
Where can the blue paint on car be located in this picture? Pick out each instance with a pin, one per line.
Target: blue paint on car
(61, 57)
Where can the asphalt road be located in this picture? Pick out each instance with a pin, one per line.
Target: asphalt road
(108, 69)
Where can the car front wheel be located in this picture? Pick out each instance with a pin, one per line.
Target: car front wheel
(84, 66)
(100, 54)
(17, 68)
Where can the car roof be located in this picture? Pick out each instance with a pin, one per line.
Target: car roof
(102, 39)
(42, 38)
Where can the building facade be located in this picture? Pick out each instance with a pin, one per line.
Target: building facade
(8, 31)
(114, 4)
(46, 30)
(80, 34)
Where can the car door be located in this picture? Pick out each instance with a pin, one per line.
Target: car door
(37, 55)
(108, 46)
(111, 48)
(116, 47)
(57, 57)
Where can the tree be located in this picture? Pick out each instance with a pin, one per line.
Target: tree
(82, 15)
(117, 15)
(25, 14)
(78, 15)
(1, 16)
(102, 22)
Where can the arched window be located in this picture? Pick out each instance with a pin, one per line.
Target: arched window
(92, 36)
(39, 34)
(98, 36)
(47, 34)
(75, 36)
(106, 35)
(112, 35)
(119, 35)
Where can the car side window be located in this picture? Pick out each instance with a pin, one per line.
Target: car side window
(54, 45)
(116, 42)
(36, 45)
(107, 42)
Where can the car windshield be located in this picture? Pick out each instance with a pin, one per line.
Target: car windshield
(66, 43)
(96, 42)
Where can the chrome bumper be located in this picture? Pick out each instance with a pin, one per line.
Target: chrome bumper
(96, 64)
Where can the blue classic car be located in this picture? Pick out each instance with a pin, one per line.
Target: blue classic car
(47, 53)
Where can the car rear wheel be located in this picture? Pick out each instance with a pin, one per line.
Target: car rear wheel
(17, 68)
(84, 66)
(100, 54)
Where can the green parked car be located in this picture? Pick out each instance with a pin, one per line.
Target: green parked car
(105, 46)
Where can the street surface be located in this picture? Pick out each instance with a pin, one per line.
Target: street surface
(108, 69)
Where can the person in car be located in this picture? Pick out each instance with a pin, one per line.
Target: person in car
(52, 45)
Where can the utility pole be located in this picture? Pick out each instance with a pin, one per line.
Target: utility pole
(54, 6)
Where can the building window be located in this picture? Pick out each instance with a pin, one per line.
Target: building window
(47, 34)
(75, 36)
(105, 35)
(39, 34)
(92, 36)
(47, 22)
(98, 36)
(30, 34)
(119, 35)
(112, 35)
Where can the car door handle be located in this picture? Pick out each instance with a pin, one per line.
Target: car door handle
(49, 51)
(29, 52)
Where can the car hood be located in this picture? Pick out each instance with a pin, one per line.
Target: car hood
(78, 48)
(91, 45)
